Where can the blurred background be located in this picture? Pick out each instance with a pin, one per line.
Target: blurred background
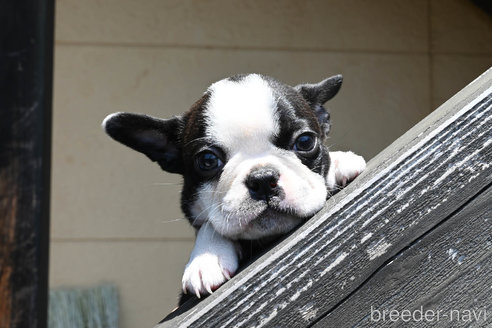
(115, 215)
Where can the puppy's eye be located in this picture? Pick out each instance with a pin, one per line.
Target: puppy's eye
(208, 161)
(304, 143)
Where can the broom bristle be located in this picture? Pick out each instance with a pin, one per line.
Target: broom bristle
(95, 307)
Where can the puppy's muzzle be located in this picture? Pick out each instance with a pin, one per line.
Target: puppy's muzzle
(262, 183)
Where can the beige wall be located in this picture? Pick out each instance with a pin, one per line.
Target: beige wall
(115, 215)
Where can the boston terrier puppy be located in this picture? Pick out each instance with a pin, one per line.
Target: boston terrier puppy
(253, 162)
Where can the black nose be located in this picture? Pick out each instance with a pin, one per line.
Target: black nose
(263, 183)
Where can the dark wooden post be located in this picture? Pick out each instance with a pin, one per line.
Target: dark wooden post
(26, 64)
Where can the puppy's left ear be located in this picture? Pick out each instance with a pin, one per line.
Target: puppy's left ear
(319, 93)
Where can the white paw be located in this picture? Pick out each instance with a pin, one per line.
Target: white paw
(207, 272)
(347, 166)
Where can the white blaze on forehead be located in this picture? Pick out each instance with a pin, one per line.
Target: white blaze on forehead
(241, 112)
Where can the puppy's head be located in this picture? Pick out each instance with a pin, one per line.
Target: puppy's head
(250, 151)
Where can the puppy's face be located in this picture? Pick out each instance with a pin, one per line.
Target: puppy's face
(250, 150)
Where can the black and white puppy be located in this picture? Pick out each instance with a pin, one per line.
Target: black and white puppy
(253, 161)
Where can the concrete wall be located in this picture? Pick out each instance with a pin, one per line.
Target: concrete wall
(115, 215)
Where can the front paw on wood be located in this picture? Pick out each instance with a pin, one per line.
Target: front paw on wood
(207, 272)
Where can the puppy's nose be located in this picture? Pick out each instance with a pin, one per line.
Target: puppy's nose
(262, 183)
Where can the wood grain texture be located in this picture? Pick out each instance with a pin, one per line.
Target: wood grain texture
(447, 270)
(26, 34)
(408, 189)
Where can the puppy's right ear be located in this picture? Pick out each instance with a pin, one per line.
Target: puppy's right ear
(157, 138)
(319, 93)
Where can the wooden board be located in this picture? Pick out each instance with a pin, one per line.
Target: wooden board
(25, 141)
(408, 190)
(446, 274)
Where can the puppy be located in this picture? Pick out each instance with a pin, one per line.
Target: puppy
(253, 162)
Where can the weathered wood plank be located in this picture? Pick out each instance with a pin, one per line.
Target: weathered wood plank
(26, 49)
(447, 272)
(408, 189)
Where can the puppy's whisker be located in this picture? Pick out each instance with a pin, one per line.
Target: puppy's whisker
(167, 183)
(208, 208)
(213, 192)
(214, 231)
(174, 220)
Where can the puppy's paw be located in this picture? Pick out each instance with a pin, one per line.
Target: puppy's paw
(207, 272)
(347, 166)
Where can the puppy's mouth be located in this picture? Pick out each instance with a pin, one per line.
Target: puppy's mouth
(261, 219)
(272, 215)
(277, 212)
(269, 222)
(273, 211)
